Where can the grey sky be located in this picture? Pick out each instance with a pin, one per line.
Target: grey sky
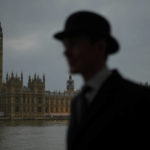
(29, 47)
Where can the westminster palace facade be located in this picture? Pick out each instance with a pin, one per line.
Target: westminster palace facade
(32, 101)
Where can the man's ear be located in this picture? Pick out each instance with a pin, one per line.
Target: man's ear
(101, 45)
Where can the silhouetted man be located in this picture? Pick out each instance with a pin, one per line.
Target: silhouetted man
(110, 110)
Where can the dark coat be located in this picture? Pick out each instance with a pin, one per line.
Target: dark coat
(118, 116)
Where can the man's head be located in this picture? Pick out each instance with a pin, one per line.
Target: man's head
(88, 41)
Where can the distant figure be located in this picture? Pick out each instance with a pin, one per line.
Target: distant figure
(110, 111)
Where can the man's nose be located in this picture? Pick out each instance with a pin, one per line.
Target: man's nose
(67, 51)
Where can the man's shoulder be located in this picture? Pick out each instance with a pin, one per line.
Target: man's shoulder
(117, 77)
(124, 85)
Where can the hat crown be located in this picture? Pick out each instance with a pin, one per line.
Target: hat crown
(90, 24)
(88, 21)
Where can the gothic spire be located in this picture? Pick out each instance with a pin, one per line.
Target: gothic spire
(70, 84)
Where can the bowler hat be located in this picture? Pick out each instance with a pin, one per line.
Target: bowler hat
(89, 23)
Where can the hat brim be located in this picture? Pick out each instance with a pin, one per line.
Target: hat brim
(61, 35)
(113, 45)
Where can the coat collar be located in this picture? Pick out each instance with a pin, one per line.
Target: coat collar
(100, 103)
(103, 98)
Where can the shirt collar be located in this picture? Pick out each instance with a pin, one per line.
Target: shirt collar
(97, 81)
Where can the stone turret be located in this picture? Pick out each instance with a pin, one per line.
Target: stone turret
(36, 83)
(14, 80)
(43, 78)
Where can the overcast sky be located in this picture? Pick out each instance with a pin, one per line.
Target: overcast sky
(29, 47)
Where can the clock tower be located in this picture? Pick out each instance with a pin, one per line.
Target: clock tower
(1, 55)
(70, 84)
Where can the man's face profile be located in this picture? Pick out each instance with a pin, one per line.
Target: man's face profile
(81, 54)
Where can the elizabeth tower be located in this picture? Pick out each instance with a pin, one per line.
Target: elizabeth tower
(1, 55)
